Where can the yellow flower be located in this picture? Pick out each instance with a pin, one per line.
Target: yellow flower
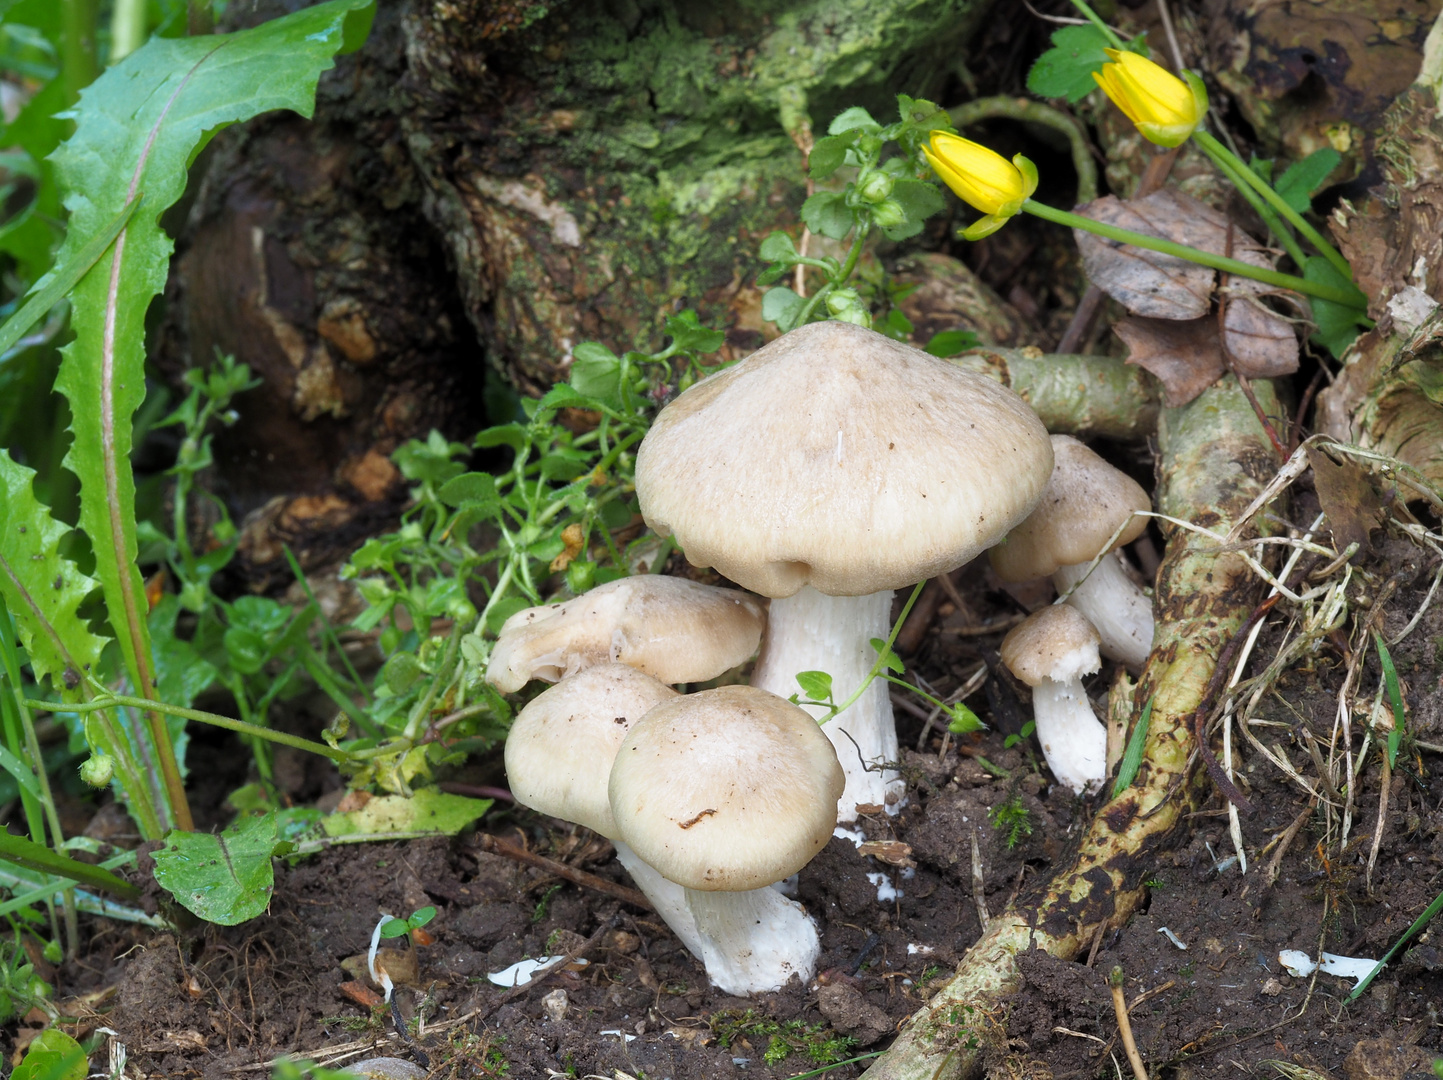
(983, 179)
(1165, 109)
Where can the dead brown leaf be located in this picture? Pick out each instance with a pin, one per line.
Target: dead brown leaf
(1147, 282)
(1185, 356)
(1347, 496)
(1261, 343)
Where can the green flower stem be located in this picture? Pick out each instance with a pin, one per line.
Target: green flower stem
(1220, 154)
(1093, 18)
(215, 720)
(842, 275)
(1191, 254)
(1264, 211)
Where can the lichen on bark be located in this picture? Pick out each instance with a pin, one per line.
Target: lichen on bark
(595, 166)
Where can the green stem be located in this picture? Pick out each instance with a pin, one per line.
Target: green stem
(842, 275)
(214, 719)
(1093, 18)
(127, 28)
(1220, 153)
(1264, 211)
(1191, 254)
(78, 66)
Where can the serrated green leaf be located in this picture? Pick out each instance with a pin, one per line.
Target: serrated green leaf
(688, 334)
(596, 373)
(471, 487)
(778, 247)
(829, 154)
(54, 636)
(224, 878)
(1337, 325)
(136, 129)
(827, 213)
(1065, 70)
(852, 119)
(817, 685)
(918, 198)
(1302, 178)
(782, 306)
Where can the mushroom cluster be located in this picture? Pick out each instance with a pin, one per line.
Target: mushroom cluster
(617, 750)
(1086, 502)
(827, 469)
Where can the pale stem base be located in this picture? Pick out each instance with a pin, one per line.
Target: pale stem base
(1073, 739)
(753, 942)
(665, 895)
(1112, 602)
(811, 631)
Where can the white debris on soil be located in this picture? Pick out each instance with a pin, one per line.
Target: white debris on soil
(1179, 942)
(1298, 963)
(521, 972)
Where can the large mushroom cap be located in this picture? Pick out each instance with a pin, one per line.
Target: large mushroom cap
(726, 790)
(1056, 643)
(561, 745)
(1085, 501)
(676, 630)
(839, 458)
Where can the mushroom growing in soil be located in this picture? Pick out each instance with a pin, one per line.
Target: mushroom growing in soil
(559, 753)
(1086, 501)
(676, 630)
(825, 470)
(1051, 650)
(727, 792)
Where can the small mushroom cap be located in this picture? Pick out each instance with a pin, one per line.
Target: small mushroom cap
(726, 790)
(1056, 643)
(561, 746)
(671, 628)
(837, 458)
(1085, 501)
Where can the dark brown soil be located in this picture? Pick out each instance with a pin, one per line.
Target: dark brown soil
(218, 1002)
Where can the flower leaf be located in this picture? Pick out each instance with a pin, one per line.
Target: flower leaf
(827, 214)
(782, 306)
(224, 878)
(1065, 70)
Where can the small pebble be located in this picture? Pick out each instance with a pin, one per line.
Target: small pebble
(555, 1004)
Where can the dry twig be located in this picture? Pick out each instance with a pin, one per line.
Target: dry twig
(497, 846)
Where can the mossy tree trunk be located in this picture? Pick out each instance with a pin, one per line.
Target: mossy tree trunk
(491, 182)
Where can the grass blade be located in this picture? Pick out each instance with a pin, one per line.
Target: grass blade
(32, 856)
(1132, 756)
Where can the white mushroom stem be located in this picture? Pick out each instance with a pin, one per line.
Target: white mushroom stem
(811, 631)
(1073, 739)
(666, 896)
(1112, 602)
(753, 942)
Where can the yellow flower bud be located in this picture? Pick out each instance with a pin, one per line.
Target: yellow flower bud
(983, 179)
(1165, 109)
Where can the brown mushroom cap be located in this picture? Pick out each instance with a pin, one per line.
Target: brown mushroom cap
(674, 629)
(560, 747)
(1085, 501)
(839, 458)
(1056, 643)
(726, 790)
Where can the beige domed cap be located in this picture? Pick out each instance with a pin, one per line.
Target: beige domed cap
(561, 746)
(726, 790)
(838, 458)
(676, 630)
(1085, 501)
(1056, 643)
